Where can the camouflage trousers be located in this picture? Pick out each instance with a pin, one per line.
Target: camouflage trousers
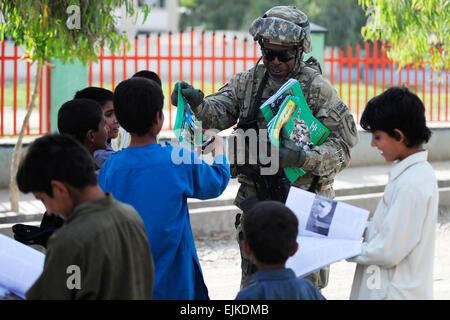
(248, 268)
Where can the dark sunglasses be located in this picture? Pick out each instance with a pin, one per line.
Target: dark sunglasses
(282, 55)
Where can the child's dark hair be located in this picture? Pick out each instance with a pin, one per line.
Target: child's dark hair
(55, 157)
(100, 95)
(270, 229)
(397, 108)
(148, 75)
(136, 102)
(76, 117)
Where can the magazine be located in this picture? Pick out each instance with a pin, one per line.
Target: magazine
(302, 127)
(187, 128)
(20, 266)
(271, 106)
(328, 231)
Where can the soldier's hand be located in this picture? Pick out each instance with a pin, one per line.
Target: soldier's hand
(192, 95)
(330, 162)
(291, 155)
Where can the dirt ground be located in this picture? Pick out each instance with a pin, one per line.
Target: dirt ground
(220, 261)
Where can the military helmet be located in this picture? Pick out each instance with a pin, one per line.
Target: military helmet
(283, 25)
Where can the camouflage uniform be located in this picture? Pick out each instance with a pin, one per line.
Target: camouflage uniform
(234, 100)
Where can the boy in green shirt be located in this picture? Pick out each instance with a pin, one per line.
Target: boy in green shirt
(102, 250)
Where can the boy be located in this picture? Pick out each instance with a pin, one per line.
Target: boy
(148, 75)
(152, 178)
(270, 231)
(400, 237)
(104, 98)
(84, 120)
(102, 250)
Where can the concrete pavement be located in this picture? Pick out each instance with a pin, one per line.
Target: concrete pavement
(359, 186)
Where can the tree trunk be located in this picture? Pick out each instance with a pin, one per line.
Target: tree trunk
(13, 189)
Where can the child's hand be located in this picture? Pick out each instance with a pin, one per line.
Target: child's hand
(213, 144)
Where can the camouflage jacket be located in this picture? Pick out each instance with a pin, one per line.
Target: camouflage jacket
(234, 100)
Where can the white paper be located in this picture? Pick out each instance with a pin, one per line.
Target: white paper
(329, 230)
(20, 265)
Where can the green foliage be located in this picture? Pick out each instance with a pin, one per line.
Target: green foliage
(417, 30)
(52, 29)
(343, 19)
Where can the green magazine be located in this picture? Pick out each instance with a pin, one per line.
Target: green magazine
(302, 127)
(186, 126)
(271, 106)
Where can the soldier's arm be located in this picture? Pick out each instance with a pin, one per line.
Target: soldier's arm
(220, 110)
(329, 109)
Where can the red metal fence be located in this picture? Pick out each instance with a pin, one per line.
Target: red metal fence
(376, 72)
(208, 60)
(16, 81)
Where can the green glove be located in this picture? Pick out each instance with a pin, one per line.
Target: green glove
(192, 95)
(291, 155)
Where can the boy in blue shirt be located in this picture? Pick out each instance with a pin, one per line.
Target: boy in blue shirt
(157, 180)
(270, 231)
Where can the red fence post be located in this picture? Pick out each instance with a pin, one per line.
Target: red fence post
(349, 82)
(341, 57)
(170, 77)
(2, 91)
(375, 66)
(15, 92)
(366, 65)
(147, 48)
(192, 56)
(224, 61)
(213, 62)
(124, 59)
(383, 66)
(158, 57)
(48, 75)
(358, 58)
(136, 43)
(40, 101)
(181, 56)
(101, 68)
(234, 55)
(446, 94)
(202, 59)
(28, 92)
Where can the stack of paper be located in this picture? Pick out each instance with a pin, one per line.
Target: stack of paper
(20, 265)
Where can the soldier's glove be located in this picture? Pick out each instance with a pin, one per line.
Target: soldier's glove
(291, 155)
(192, 95)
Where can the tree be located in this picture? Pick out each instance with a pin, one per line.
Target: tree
(416, 31)
(343, 18)
(213, 14)
(64, 30)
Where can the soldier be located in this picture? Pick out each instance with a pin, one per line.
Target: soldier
(284, 36)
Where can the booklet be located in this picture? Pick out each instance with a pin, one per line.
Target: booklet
(328, 231)
(271, 106)
(302, 127)
(187, 128)
(20, 266)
